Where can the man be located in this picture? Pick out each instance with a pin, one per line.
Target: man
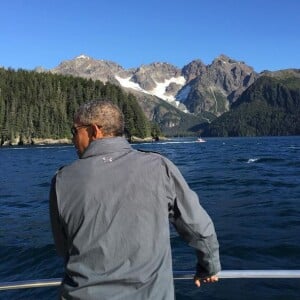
(110, 211)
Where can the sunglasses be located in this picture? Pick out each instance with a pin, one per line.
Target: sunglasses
(74, 130)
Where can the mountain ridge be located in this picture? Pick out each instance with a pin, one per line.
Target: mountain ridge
(196, 88)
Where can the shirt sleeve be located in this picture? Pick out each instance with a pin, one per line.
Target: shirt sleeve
(192, 222)
(58, 232)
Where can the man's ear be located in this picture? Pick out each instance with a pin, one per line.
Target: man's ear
(96, 132)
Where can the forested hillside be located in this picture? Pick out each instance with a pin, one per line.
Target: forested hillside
(270, 106)
(42, 105)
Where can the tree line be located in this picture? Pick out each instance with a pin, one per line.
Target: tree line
(42, 105)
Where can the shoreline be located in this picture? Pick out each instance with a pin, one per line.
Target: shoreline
(66, 141)
(37, 142)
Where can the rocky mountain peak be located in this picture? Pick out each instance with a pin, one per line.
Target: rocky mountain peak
(159, 71)
(231, 75)
(148, 76)
(193, 69)
(222, 58)
(87, 67)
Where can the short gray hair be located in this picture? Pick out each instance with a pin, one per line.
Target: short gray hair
(102, 113)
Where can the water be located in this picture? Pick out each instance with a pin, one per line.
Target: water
(249, 186)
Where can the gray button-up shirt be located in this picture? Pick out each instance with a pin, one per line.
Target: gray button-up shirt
(110, 213)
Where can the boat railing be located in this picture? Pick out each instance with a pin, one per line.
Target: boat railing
(178, 275)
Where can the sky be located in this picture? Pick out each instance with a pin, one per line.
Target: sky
(265, 34)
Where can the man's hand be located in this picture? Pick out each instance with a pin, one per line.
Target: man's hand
(211, 279)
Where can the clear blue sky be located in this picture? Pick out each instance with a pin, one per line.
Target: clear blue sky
(265, 34)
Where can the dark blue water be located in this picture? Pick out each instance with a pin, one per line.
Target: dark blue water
(249, 186)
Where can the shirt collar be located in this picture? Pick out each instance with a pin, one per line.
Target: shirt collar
(105, 146)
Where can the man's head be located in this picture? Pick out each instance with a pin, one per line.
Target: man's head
(96, 120)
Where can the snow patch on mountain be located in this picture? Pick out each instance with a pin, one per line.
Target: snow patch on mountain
(158, 91)
(127, 83)
(82, 56)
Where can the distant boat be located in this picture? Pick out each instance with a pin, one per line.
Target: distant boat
(200, 140)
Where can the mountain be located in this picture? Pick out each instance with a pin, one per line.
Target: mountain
(270, 106)
(214, 87)
(196, 88)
